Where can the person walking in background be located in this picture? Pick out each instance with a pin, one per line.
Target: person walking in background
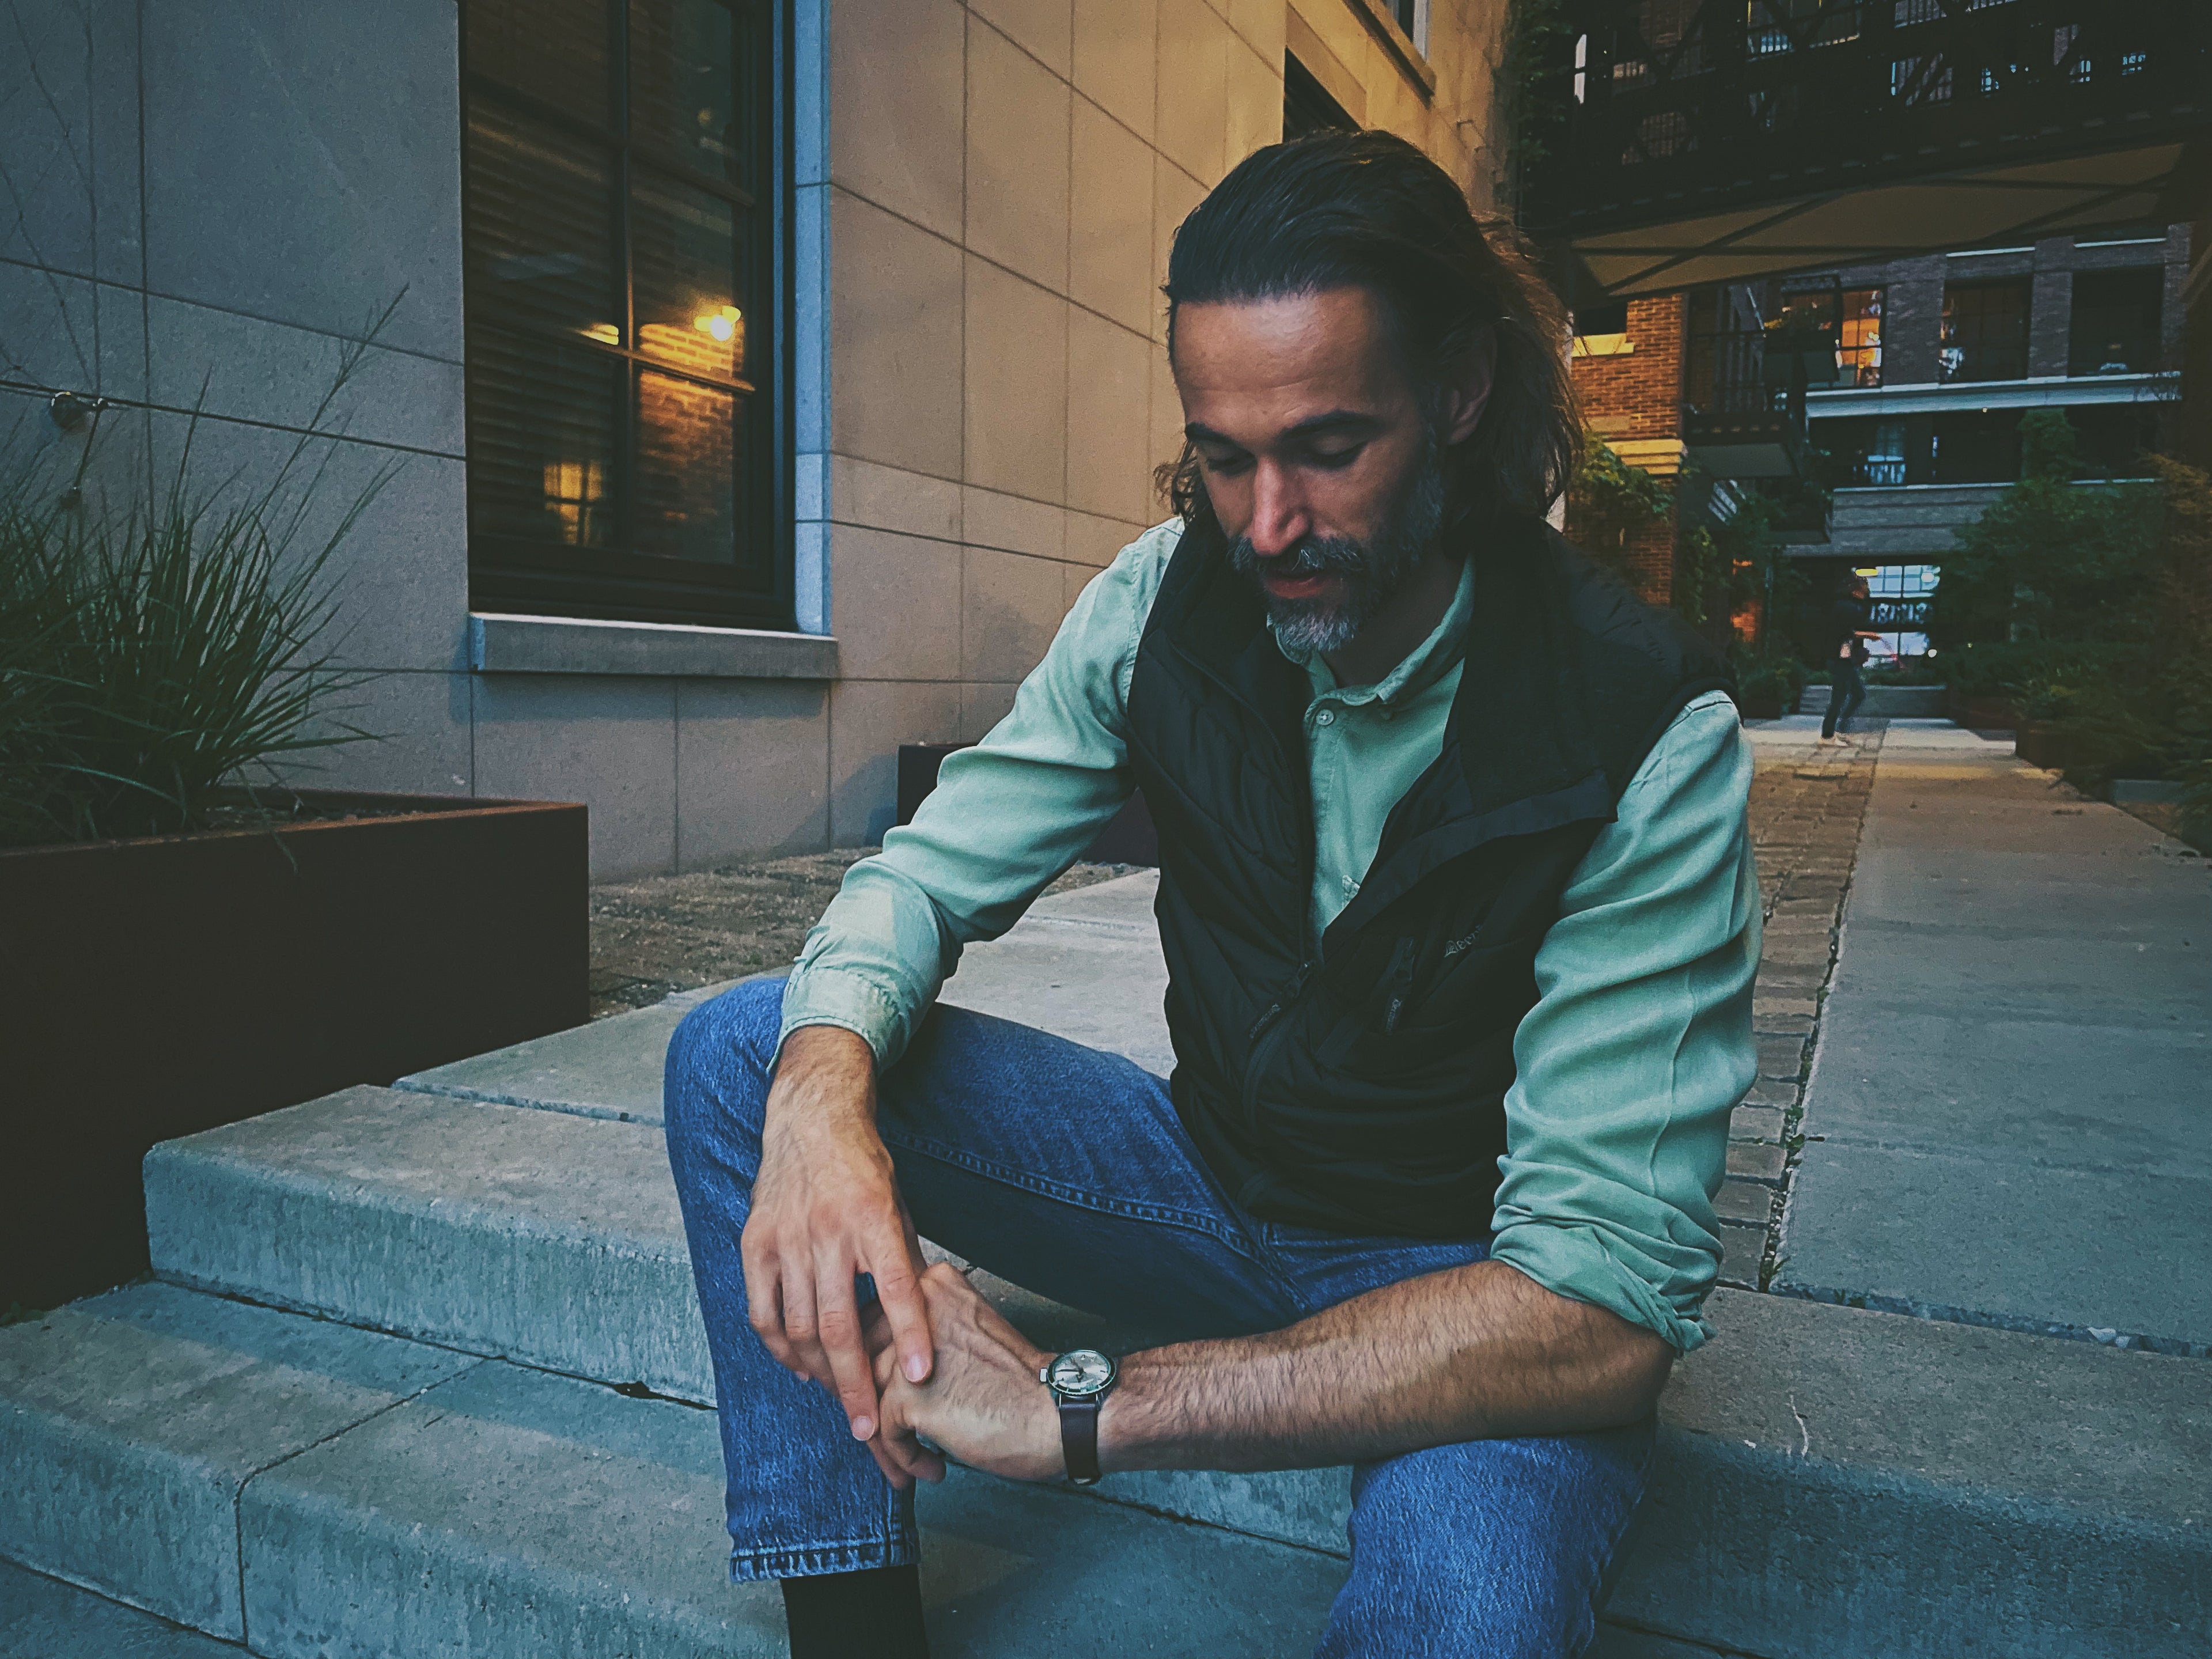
(1847, 691)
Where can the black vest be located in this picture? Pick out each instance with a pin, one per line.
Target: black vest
(1358, 1082)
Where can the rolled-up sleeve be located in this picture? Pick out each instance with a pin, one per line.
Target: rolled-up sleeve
(1007, 816)
(1640, 1044)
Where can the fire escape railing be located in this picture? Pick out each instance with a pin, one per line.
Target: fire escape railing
(1674, 107)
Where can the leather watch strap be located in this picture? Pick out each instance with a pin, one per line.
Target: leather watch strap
(1079, 1438)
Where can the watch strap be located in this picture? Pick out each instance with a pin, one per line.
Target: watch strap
(1078, 1438)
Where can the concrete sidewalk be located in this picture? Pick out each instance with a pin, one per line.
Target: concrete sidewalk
(2009, 1117)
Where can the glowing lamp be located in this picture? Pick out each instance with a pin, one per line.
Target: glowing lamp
(721, 324)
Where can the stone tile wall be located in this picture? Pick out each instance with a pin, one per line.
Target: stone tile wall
(202, 208)
(1001, 181)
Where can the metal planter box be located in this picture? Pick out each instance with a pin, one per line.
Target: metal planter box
(2053, 747)
(154, 988)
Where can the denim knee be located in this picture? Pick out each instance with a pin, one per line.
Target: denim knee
(718, 1059)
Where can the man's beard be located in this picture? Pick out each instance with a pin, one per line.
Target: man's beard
(1373, 571)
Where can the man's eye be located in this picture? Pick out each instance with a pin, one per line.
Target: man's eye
(1226, 465)
(1334, 460)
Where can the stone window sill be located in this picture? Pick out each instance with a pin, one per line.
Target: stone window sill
(502, 644)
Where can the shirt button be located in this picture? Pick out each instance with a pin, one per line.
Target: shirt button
(1327, 717)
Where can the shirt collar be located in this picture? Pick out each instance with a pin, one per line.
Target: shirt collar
(1422, 666)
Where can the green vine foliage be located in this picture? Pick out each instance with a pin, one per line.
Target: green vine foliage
(2053, 558)
(1530, 101)
(1608, 502)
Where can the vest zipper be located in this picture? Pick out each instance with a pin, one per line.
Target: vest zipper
(1398, 982)
(1267, 1034)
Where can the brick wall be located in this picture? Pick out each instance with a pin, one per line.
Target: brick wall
(1633, 399)
(1638, 393)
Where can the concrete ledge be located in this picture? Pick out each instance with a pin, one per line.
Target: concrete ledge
(44, 1619)
(513, 1513)
(540, 1235)
(2147, 792)
(129, 1424)
(1830, 1481)
(1836, 1482)
(1044, 973)
(503, 1512)
(609, 1068)
(502, 644)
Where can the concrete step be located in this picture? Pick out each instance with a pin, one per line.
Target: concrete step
(1830, 1481)
(307, 1489)
(542, 1236)
(1046, 972)
(42, 1618)
(545, 1237)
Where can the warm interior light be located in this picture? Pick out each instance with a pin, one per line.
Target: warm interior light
(722, 323)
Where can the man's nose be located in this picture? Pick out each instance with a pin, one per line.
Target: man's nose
(1279, 519)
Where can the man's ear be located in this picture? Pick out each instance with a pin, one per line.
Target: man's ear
(1468, 378)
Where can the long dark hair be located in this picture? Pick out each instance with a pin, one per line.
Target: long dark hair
(1367, 210)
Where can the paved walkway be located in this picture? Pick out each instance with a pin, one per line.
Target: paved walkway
(2008, 1119)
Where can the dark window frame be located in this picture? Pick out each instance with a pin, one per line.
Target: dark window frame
(1837, 306)
(1982, 355)
(2093, 327)
(756, 587)
(1307, 106)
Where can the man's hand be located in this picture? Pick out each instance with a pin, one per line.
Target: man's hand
(825, 1208)
(982, 1405)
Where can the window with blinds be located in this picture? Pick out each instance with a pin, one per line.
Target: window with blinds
(623, 229)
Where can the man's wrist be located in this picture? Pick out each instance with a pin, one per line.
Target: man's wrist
(1125, 1417)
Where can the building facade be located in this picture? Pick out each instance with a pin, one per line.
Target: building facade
(1900, 385)
(758, 384)
(1944, 354)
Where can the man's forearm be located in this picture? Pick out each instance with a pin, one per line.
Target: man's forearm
(1472, 1353)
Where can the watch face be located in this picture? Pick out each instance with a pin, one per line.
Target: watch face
(1081, 1371)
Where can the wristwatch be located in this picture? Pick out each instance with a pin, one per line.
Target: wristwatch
(1080, 1380)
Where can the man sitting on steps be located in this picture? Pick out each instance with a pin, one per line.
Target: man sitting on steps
(1460, 917)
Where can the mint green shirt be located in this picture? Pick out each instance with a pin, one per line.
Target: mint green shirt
(1639, 1045)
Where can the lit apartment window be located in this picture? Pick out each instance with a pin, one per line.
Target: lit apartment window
(1850, 320)
(2117, 315)
(1901, 595)
(1872, 452)
(1884, 455)
(1984, 331)
(621, 233)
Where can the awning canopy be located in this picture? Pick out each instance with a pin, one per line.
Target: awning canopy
(1964, 207)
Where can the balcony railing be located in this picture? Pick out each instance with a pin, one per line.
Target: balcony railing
(1743, 413)
(1678, 107)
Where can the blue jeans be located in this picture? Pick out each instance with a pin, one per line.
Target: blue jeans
(1846, 691)
(1065, 1170)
